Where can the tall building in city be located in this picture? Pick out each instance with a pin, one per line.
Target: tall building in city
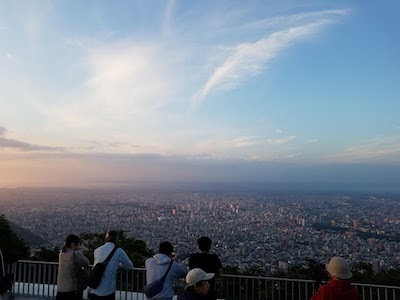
(355, 225)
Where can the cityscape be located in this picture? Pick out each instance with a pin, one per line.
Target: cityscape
(269, 230)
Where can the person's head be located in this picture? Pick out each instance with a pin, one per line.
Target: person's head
(111, 236)
(173, 255)
(72, 241)
(197, 280)
(204, 243)
(165, 248)
(338, 268)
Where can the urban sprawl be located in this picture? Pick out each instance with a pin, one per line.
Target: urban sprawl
(267, 230)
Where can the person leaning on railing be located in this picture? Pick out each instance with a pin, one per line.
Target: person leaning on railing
(208, 262)
(163, 264)
(339, 287)
(107, 287)
(66, 278)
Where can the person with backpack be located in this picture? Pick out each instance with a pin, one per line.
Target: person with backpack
(160, 265)
(107, 286)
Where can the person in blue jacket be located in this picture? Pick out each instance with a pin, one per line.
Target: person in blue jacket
(156, 267)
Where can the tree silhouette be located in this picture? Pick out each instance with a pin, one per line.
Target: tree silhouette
(13, 247)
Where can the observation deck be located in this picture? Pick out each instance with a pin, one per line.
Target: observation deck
(38, 279)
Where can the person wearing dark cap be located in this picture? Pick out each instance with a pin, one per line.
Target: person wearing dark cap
(158, 265)
(198, 285)
(339, 287)
(206, 261)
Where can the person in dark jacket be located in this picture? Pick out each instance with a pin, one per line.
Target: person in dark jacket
(339, 287)
(198, 285)
(206, 261)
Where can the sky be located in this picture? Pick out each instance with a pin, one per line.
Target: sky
(267, 93)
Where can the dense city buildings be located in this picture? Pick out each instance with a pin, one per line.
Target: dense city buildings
(268, 230)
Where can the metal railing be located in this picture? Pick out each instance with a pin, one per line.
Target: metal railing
(39, 279)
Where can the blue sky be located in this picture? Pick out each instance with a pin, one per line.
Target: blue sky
(100, 92)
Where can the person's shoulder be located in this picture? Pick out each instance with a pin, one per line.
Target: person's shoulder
(211, 257)
(78, 253)
(99, 248)
(119, 250)
(322, 292)
(194, 257)
(185, 295)
(324, 288)
(149, 260)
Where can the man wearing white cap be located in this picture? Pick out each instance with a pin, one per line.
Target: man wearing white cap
(339, 287)
(198, 285)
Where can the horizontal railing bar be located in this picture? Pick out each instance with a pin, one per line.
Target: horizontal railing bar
(31, 280)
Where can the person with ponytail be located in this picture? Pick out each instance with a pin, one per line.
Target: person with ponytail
(66, 278)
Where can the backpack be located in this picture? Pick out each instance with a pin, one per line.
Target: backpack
(98, 270)
(157, 286)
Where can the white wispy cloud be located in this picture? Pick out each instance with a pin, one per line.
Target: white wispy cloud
(35, 20)
(249, 59)
(278, 131)
(281, 141)
(11, 57)
(293, 19)
(312, 141)
(246, 141)
(377, 149)
(168, 17)
(293, 155)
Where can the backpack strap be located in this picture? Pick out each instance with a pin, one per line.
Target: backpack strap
(166, 273)
(107, 260)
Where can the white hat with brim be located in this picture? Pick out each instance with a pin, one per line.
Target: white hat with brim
(339, 268)
(196, 275)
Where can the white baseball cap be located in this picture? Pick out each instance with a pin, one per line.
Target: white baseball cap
(196, 275)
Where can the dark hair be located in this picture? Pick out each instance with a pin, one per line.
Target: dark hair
(199, 283)
(112, 236)
(204, 243)
(72, 238)
(166, 248)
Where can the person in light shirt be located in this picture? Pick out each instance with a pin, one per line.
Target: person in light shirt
(107, 286)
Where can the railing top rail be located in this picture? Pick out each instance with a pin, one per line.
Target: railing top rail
(376, 286)
(37, 262)
(236, 276)
(56, 263)
(265, 278)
